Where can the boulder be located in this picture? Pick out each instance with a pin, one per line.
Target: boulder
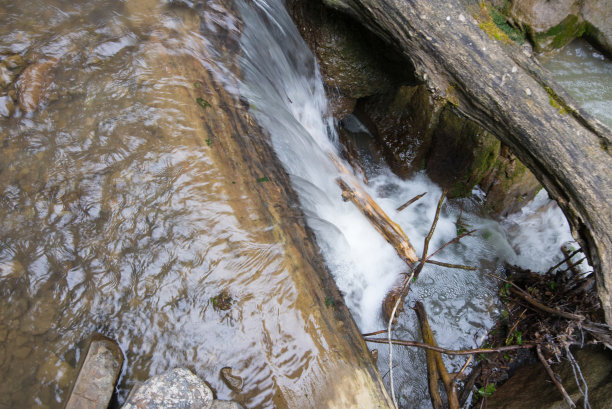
(598, 15)
(177, 388)
(354, 63)
(551, 25)
(97, 376)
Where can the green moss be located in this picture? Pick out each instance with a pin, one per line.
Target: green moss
(494, 32)
(501, 22)
(556, 102)
(558, 36)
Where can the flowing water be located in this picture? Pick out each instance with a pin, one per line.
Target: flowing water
(114, 217)
(287, 96)
(587, 75)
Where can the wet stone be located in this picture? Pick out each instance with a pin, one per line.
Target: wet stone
(97, 376)
(234, 382)
(178, 388)
(54, 369)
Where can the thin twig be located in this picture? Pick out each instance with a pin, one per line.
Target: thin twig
(535, 303)
(458, 266)
(449, 351)
(417, 271)
(455, 240)
(369, 334)
(411, 201)
(553, 378)
(576, 370)
(542, 307)
(405, 288)
(550, 270)
(573, 266)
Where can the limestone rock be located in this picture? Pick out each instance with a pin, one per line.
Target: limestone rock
(97, 376)
(354, 64)
(402, 121)
(178, 388)
(598, 15)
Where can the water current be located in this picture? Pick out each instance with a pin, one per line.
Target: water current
(587, 76)
(114, 217)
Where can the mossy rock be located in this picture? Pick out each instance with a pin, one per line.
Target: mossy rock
(402, 122)
(354, 62)
(461, 153)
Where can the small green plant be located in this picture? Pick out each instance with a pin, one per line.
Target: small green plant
(208, 142)
(515, 338)
(263, 179)
(203, 103)
(504, 314)
(487, 391)
(196, 84)
(552, 285)
(329, 302)
(504, 290)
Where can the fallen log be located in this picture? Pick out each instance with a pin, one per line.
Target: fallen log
(390, 230)
(566, 149)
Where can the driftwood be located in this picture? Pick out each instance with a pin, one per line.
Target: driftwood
(509, 95)
(435, 365)
(379, 219)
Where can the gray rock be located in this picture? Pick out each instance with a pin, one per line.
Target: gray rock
(97, 376)
(598, 13)
(177, 389)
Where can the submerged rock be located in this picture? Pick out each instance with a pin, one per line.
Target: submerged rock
(234, 382)
(34, 82)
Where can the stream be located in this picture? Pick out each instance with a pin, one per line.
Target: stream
(114, 217)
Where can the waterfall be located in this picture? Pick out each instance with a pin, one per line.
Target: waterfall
(286, 94)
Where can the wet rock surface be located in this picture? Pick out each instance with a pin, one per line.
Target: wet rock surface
(530, 387)
(178, 388)
(98, 374)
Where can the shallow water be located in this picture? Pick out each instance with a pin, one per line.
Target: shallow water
(115, 218)
(586, 74)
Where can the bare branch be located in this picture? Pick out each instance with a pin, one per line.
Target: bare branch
(553, 378)
(411, 201)
(450, 351)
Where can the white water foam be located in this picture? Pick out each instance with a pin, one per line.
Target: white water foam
(286, 94)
